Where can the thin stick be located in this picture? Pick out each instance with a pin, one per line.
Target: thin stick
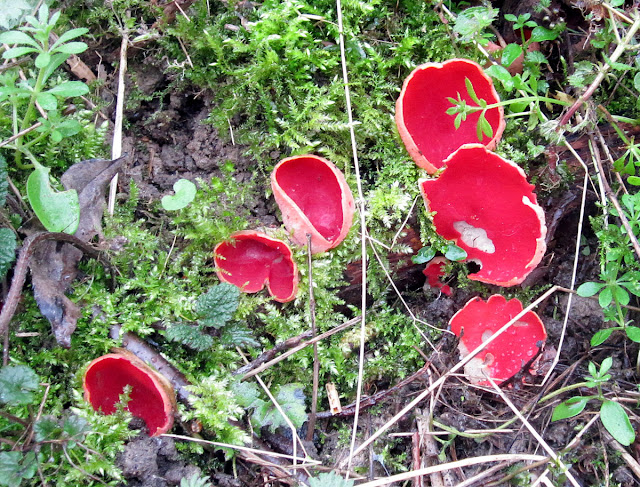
(116, 148)
(288, 353)
(453, 370)
(467, 462)
(363, 231)
(20, 134)
(316, 363)
(534, 433)
(576, 258)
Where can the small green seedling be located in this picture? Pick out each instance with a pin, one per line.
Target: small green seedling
(451, 252)
(612, 414)
(185, 192)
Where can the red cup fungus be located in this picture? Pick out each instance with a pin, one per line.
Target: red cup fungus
(152, 397)
(427, 131)
(434, 270)
(485, 204)
(315, 199)
(503, 357)
(251, 259)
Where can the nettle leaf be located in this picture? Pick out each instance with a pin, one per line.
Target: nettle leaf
(17, 385)
(238, 334)
(58, 211)
(569, 408)
(185, 193)
(16, 466)
(189, 335)
(330, 479)
(7, 250)
(291, 399)
(218, 305)
(615, 420)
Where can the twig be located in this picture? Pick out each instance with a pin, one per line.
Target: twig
(363, 232)
(322, 336)
(116, 149)
(600, 77)
(316, 363)
(20, 134)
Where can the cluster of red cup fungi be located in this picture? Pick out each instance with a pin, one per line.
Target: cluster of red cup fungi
(480, 201)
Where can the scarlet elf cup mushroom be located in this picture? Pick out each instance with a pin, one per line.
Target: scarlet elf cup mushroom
(152, 397)
(251, 259)
(485, 204)
(315, 199)
(426, 129)
(502, 358)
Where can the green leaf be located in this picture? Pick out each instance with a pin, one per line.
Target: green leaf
(636, 81)
(605, 297)
(16, 467)
(455, 253)
(47, 101)
(569, 408)
(185, 193)
(511, 53)
(69, 89)
(486, 127)
(247, 394)
(68, 35)
(605, 366)
(615, 420)
(424, 255)
(615, 65)
(600, 336)
(238, 334)
(218, 305)
(291, 399)
(588, 289)
(16, 52)
(7, 250)
(539, 34)
(58, 211)
(501, 74)
(471, 91)
(330, 479)
(634, 180)
(189, 335)
(72, 48)
(17, 385)
(17, 37)
(42, 60)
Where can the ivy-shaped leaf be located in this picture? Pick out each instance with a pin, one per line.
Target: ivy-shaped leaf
(17, 384)
(185, 193)
(58, 211)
